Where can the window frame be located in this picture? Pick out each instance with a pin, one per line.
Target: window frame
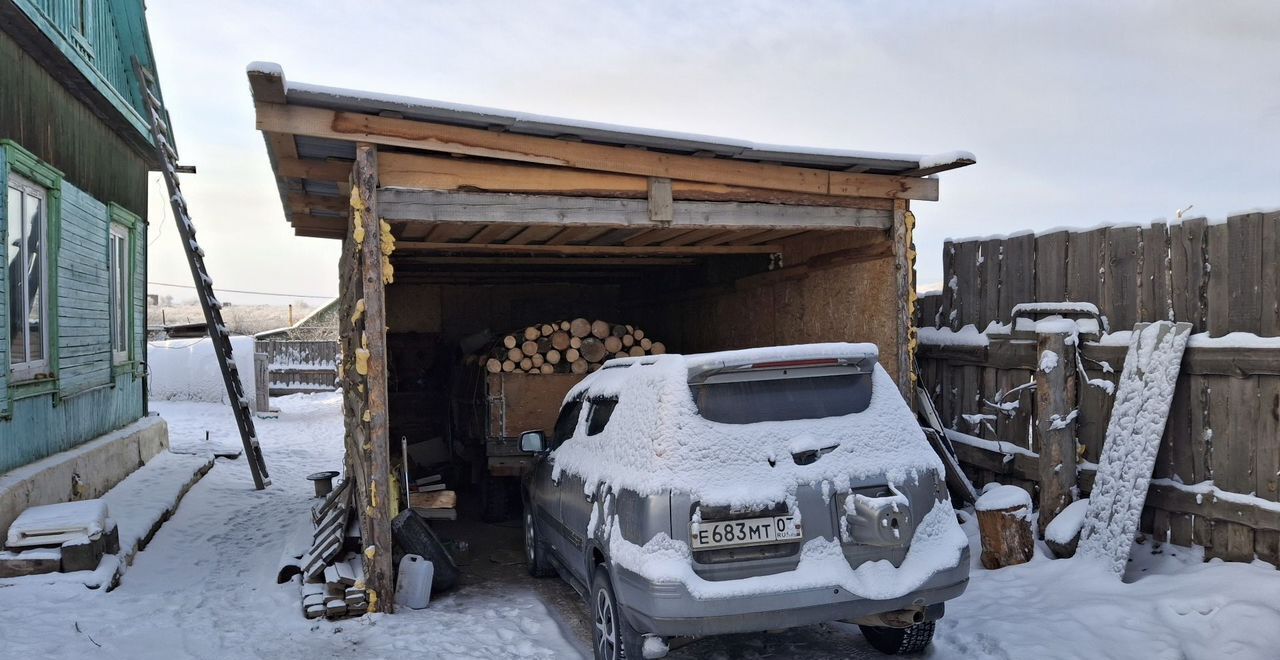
(82, 25)
(577, 404)
(28, 369)
(24, 164)
(122, 224)
(611, 402)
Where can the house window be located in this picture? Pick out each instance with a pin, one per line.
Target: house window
(27, 274)
(121, 272)
(82, 24)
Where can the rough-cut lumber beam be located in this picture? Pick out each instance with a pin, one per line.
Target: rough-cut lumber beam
(660, 201)
(299, 203)
(268, 87)
(375, 512)
(467, 207)
(612, 262)
(585, 250)
(317, 170)
(398, 170)
(318, 122)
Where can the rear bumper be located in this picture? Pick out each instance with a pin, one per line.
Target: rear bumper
(668, 609)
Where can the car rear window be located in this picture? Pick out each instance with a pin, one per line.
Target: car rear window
(749, 401)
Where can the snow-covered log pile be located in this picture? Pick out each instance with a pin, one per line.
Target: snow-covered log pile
(578, 346)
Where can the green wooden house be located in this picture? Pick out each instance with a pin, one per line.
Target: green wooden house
(75, 152)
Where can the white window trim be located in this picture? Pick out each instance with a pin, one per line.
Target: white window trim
(120, 305)
(29, 370)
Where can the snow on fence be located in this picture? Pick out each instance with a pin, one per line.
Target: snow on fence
(300, 366)
(1220, 277)
(1215, 478)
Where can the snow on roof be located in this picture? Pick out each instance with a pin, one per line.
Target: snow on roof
(343, 99)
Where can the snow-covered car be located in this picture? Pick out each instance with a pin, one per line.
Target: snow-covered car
(693, 495)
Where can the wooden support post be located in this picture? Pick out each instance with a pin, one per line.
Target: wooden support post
(370, 333)
(904, 276)
(261, 383)
(660, 203)
(1056, 422)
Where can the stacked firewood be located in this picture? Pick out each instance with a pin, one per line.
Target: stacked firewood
(578, 346)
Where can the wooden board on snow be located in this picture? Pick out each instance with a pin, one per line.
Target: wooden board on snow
(1129, 450)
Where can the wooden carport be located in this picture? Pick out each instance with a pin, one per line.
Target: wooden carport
(432, 193)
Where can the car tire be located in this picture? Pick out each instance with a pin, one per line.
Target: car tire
(612, 637)
(899, 641)
(535, 553)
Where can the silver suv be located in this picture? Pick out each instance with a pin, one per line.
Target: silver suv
(743, 491)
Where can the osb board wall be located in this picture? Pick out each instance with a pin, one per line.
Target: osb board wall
(458, 310)
(847, 302)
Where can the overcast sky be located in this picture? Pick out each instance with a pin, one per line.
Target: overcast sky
(1079, 113)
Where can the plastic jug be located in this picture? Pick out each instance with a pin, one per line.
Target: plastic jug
(413, 586)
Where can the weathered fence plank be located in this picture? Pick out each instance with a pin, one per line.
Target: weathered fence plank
(949, 285)
(1082, 267)
(1153, 283)
(992, 254)
(1189, 281)
(1267, 461)
(1218, 297)
(967, 305)
(1051, 281)
(1269, 293)
(1017, 273)
(1120, 283)
(1244, 276)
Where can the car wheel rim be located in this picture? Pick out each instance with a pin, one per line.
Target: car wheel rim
(528, 537)
(606, 626)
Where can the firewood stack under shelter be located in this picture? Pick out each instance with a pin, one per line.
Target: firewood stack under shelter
(578, 346)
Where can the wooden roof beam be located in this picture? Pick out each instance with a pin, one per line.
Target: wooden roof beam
(486, 208)
(587, 250)
(391, 131)
(401, 170)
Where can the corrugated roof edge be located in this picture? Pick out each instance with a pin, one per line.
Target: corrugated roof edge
(343, 99)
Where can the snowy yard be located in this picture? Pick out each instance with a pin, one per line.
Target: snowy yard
(205, 588)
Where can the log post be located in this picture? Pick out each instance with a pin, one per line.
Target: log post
(1056, 421)
(1004, 526)
(904, 275)
(373, 489)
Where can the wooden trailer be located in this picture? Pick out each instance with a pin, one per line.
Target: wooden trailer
(457, 221)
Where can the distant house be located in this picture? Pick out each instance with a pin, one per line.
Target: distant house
(75, 151)
(320, 325)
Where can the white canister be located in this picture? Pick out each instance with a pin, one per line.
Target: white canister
(413, 587)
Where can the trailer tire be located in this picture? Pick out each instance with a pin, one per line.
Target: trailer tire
(495, 499)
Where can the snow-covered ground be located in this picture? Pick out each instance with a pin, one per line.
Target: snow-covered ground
(205, 588)
(206, 585)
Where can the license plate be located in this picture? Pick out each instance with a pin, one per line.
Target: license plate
(752, 531)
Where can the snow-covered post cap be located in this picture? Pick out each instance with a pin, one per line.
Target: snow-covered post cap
(1003, 497)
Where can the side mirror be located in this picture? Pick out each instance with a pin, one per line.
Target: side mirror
(533, 442)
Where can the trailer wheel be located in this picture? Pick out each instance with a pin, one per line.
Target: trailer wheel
(495, 499)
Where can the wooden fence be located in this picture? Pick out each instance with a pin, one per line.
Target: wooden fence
(1219, 277)
(300, 366)
(1216, 472)
(1215, 479)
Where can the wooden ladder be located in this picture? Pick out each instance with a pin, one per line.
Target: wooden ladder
(203, 283)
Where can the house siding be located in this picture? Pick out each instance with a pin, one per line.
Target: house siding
(37, 112)
(94, 396)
